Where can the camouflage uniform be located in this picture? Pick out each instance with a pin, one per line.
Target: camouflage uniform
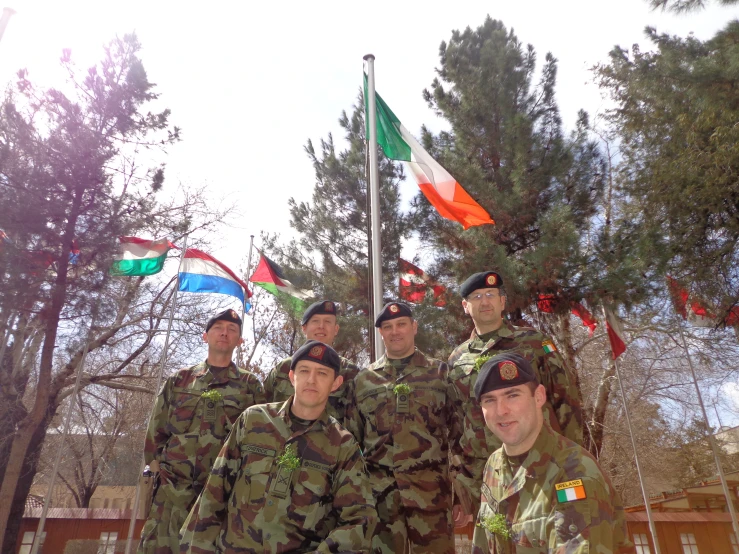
(252, 504)
(475, 442)
(185, 434)
(526, 496)
(278, 388)
(405, 445)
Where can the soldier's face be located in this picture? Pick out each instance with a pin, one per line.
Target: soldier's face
(399, 336)
(223, 336)
(514, 415)
(485, 307)
(321, 327)
(313, 384)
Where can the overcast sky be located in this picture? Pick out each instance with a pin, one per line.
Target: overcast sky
(250, 82)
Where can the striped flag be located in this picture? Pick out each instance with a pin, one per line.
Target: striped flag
(270, 277)
(414, 283)
(201, 272)
(615, 334)
(139, 257)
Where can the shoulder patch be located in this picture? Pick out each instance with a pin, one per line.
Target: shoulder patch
(570, 491)
(548, 346)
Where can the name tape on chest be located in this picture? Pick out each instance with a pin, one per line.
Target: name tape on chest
(570, 491)
(254, 449)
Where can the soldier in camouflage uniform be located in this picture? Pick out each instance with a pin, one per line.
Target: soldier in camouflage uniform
(401, 413)
(192, 416)
(541, 492)
(484, 300)
(318, 323)
(289, 478)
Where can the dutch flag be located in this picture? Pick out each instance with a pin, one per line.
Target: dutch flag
(201, 272)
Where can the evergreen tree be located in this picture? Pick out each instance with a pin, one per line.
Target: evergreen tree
(676, 115)
(684, 6)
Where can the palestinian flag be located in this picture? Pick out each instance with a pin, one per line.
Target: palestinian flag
(438, 186)
(140, 256)
(270, 277)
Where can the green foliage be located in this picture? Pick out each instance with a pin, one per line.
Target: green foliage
(213, 395)
(402, 388)
(480, 361)
(684, 6)
(676, 115)
(497, 525)
(289, 458)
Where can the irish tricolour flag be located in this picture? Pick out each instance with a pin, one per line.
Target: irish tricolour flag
(436, 183)
(201, 272)
(140, 256)
(570, 490)
(270, 277)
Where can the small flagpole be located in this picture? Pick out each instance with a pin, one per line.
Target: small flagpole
(647, 505)
(711, 439)
(248, 270)
(374, 189)
(65, 434)
(137, 497)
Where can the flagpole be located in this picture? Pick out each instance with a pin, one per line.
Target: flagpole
(374, 187)
(647, 504)
(137, 497)
(711, 439)
(248, 271)
(65, 434)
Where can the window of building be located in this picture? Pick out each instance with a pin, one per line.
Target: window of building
(107, 543)
(641, 542)
(734, 544)
(27, 542)
(689, 544)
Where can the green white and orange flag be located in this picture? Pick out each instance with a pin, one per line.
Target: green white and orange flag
(270, 277)
(140, 256)
(436, 183)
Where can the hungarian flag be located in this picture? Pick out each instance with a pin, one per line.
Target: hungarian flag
(615, 334)
(140, 256)
(415, 284)
(270, 277)
(437, 185)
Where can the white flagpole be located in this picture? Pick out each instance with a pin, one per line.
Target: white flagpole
(374, 191)
(711, 439)
(137, 497)
(647, 505)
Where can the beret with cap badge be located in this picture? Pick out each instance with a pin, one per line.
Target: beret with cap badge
(316, 351)
(225, 315)
(482, 280)
(393, 310)
(503, 371)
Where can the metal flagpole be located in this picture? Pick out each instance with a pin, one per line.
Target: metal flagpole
(65, 433)
(375, 203)
(137, 497)
(371, 335)
(647, 505)
(711, 439)
(248, 270)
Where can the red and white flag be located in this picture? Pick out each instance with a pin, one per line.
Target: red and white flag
(415, 284)
(587, 318)
(615, 334)
(698, 314)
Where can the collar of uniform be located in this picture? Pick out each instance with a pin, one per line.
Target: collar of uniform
(230, 374)
(418, 360)
(537, 461)
(505, 330)
(285, 414)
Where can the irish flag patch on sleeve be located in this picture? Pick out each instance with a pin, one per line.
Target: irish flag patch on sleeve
(548, 346)
(570, 490)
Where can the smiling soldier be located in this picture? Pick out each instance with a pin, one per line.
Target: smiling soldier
(541, 492)
(191, 418)
(289, 478)
(401, 412)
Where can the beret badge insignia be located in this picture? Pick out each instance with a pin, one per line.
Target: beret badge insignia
(328, 306)
(232, 314)
(491, 279)
(508, 371)
(317, 352)
(394, 308)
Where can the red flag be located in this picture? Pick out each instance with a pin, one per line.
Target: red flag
(615, 334)
(587, 318)
(679, 296)
(546, 303)
(415, 283)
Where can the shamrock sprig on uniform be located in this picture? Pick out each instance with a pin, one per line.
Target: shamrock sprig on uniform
(480, 361)
(402, 388)
(213, 395)
(497, 525)
(289, 458)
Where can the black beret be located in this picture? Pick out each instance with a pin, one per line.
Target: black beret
(318, 352)
(504, 371)
(225, 315)
(483, 280)
(322, 307)
(393, 310)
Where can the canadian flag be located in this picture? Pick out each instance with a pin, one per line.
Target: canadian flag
(615, 334)
(415, 284)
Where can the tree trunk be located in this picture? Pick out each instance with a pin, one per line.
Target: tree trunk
(600, 406)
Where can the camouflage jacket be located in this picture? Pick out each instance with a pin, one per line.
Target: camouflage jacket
(278, 388)
(557, 501)
(474, 442)
(404, 436)
(186, 431)
(252, 503)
